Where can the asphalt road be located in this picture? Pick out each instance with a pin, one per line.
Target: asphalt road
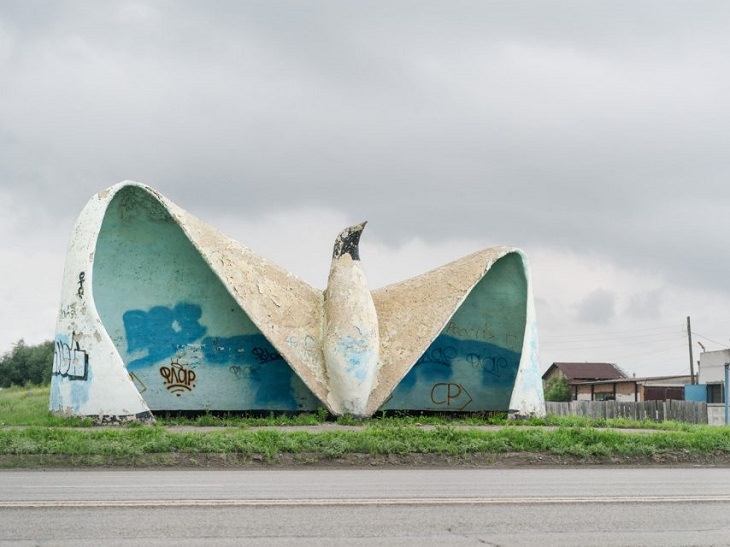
(585, 506)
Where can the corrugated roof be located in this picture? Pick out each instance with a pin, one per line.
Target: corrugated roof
(589, 371)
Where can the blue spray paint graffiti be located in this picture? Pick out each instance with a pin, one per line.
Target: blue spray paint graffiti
(273, 384)
(357, 355)
(161, 331)
(265, 370)
(452, 373)
(80, 391)
(238, 349)
(70, 363)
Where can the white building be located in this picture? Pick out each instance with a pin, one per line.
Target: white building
(712, 373)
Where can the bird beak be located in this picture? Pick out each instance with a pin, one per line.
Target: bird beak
(348, 241)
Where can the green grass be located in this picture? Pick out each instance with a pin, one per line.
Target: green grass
(615, 423)
(47, 437)
(28, 406)
(446, 440)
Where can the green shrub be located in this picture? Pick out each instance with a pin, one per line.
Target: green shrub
(557, 389)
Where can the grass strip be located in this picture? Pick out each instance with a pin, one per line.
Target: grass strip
(581, 442)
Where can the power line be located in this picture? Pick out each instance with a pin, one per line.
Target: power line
(577, 344)
(628, 340)
(608, 333)
(624, 346)
(654, 352)
(723, 344)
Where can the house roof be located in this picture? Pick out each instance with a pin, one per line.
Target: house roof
(587, 371)
(676, 380)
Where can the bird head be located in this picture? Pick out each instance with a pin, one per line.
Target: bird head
(348, 242)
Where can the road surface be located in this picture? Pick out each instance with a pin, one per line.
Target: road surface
(417, 507)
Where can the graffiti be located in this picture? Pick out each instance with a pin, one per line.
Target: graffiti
(488, 358)
(80, 291)
(234, 349)
(161, 331)
(264, 355)
(439, 355)
(70, 361)
(437, 381)
(225, 350)
(178, 378)
(423, 374)
(489, 364)
(445, 393)
(174, 343)
(469, 332)
(253, 373)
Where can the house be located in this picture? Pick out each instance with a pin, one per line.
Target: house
(655, 388)
(580, 373)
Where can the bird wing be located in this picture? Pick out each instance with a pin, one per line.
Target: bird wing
(412, 314)
(286, 310)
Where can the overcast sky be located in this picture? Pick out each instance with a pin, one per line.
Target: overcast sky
(593, 135)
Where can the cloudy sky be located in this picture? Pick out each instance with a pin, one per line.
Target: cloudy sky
(593, 135)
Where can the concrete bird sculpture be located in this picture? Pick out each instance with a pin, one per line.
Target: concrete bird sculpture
(162, 312)
(351, 342)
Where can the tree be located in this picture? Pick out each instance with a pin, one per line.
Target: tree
(27, 364)
(557, 389)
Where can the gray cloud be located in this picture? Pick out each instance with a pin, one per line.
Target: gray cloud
(599, 307)
(646, 304)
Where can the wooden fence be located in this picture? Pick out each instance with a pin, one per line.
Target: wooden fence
(658, 411)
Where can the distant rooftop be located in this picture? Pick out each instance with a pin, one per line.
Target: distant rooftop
(587, 372)
(679, 379)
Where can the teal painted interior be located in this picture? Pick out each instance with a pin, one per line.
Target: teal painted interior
(184, 340)
(472, 364)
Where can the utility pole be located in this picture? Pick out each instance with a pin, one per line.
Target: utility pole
(691, 358)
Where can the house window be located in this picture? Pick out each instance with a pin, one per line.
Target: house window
(607, 396)
(715, 393)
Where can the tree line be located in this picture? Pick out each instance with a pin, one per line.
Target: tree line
(24, 364)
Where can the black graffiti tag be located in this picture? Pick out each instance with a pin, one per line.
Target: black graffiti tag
(178, 378)
(70, 361)
(80, 291)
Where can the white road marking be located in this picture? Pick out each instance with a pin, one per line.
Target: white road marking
(314, 502)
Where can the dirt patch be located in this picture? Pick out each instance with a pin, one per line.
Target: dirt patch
(311, 460)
